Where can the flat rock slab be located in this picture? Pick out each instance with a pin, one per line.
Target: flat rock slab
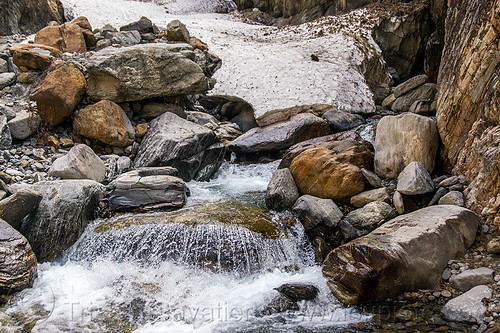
(472, 278)
(468, 307)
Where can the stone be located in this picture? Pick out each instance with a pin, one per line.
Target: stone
(398, 202)
(82, 22)
(452, 198)
(298, 291)
(332, 173)
(146, 190)
(410, 85)
(144, 71)
(177, 32)
(7, 111)
(371, 215)
(60, 93)
(80, 163)
(278, 304)
(281, 192)
(493, 246)
(227, 132)
(364, 198)
(5, 136)
(7, 79)
(141, 130)
(313, 212)
(269, 117)
(468, 307)
(388, 101)
(190, 148)
(426, 92)
(405, 254)
(153, 110)
(15, 208)
(449, 181)
(403, 139)
(467, 116)
(64, 212)
(143, 26)
(471, 278)
(438, 195)
(446, 274)
(341, 121)
(321, 249)
(66, 143)
(414, 180)
(424, 107)
(105, 121)
(18, 262)
(125, 38)
(24, 125)
(280, 136)
(372, 178)
(34, 56)
(4, 66)
(67, 37)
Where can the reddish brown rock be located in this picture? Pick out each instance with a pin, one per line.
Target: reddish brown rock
(33, 56)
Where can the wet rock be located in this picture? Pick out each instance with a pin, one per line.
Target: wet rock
(173, 141)
(404, 254)
(426, 92)
(313, 212)
(471, 278)
(153, 110)
(144, 26)
(321, 249)
(468, 307)
(340, 121)
(105, 121)
(177, 32)
(364, 198)
(60, 93)
(371, 215)
(5, 136)
(24, 125)
(18, 262)
(144, 71)
(34, 56)
(64, 212)
(298, 291)
(280, 136)
(372, 178)
(14, 209)
(281, 191)
(80, 163)
(279, 304)
(410, 85)
(403, 139)
(7, 79)
(414, 180)
(452, 198)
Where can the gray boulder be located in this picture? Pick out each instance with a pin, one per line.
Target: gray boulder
(15, 208)
(452, 198)
(425, 92)
(177, 32)
(406, 253)
(415, 179)
(144, 71)
(281, 192)
(364, 198)
(80, 163)
(24, 125)
(371, 215)
(340, 121)
(64, 212)
(313, 212)
(410, 84)
(468, 307)
(126, 38)
(7, 79)
(471, 278)
(17, 260)
(190, 148)
(5, 136)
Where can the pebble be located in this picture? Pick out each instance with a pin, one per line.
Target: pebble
(446, 274)
(446, 293)
(436, 294)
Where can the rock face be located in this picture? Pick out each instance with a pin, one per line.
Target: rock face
(15, 208)
(17, 260)
(64, 212)
(60, 93)
(405, 254)
(105, 121)
(144, 71)
(468, 102)
(280, 136)
(281, 192)
(468, 307)
(80, 163)
(403, 139)
(190, 148)
(28, 16)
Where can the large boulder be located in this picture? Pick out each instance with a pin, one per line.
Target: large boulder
(105, 121)
(403, 139)
(144, 71)
(15, 208)
(60, 93)
(468, 102)
(268, 117)
(143, 26)
(33, 56)
(407, 253)
(280, 136)
(67, 37)
(64, 212)
(190, 148)
(17, 260)
(79, 163)
(281, 192)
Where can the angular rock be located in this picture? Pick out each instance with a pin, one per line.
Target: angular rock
(404, 103)
(298, 291)
(371, 215)
(34, 56)
(5, 136)
(24, 125)
(14, 209)
(341, 121)
(173, 141)
(67, 37)
(438, 195)
(125, 38)
(372, 178)
(471, 278)
(144, 71)
(468, 307)
(405, 254)
(80, 163)
(403, 139)
(414, 180)
(177, 32)
(280, 136)
(452, 198)
(60, 93)
(269, 117)
(64, 212)
(313, 212)
(144, 26)
(281, 192)
(153, 110)
(424, 107)
(410, 85)
(18, 262)
(364, 198)
(105, 121)
(7, 111)
(7, 79)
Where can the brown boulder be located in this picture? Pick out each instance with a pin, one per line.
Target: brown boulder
(67, 37)
(33, 56)
(50, 36)
(60, 93)
(105, 121)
